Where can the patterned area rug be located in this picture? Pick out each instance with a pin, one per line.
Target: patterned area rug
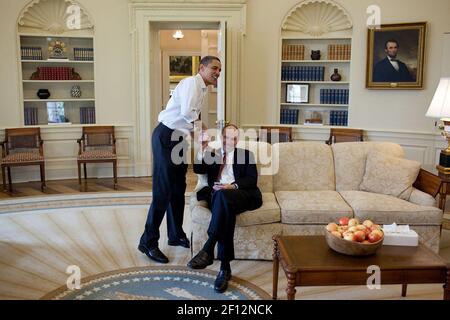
(158, 283)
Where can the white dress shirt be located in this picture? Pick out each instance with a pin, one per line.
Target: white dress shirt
(185, 104)
(394, 63)
(227, 176)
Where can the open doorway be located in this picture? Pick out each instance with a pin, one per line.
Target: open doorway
(180, 58)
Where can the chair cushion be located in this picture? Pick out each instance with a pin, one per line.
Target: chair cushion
(97, 154)
(22, 157)
(305, 207)
(384, 209)
(389, 175)
(269, 212)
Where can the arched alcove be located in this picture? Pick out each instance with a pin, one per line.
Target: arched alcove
(57, 17)
(316, 18)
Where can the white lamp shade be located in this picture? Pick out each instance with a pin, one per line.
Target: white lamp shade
(440, 105)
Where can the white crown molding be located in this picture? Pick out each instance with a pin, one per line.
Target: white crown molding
(51, 15)
(317, 17)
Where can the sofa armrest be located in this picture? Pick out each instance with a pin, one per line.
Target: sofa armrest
(423, 199)
(202, 181)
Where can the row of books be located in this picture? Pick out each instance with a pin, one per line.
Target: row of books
(289, 116)
(31, 116)
(339, 51)
(31, 53)
(55, 73)
(293, 52)
(339, 118)
(334, 96)
(300, 73)
(83, 54)
(87, 115)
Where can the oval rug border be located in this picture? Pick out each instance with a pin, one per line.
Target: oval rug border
(86, 281)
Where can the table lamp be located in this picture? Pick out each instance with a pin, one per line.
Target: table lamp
(440, 108)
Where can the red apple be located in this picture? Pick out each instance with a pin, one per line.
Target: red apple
(365, 242)
(332, 227)
(375, 227)
(359, 236)
(368, 223)
(349, 236)
(343, 221)
(375, 236)
(353, 222)
(361, 227)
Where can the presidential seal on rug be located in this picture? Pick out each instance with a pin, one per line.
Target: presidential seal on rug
(157, 283)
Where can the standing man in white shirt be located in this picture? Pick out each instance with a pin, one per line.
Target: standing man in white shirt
(169, 175)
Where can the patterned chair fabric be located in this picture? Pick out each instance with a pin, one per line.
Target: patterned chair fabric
(97, 154)
(22, 157)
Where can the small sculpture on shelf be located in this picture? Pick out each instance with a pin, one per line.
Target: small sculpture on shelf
(43, 93)
(75, 75)
(315, 54)
(336, 76)
(35, 75)
(57, 50)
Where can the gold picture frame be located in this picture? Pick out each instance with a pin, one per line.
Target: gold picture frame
(182, 67)
(396, 56)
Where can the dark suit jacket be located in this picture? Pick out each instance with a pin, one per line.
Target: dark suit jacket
(385, 72)
(245, 175)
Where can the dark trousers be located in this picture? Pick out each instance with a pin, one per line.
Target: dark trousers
(169, 186)
(225, 205)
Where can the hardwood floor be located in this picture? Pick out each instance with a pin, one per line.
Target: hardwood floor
(55, 187)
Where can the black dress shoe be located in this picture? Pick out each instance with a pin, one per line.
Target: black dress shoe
(201, 260)
(184, 242)
(154, 254)
(221, 283)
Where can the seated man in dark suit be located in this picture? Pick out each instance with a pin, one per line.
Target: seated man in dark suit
(232, 189)
(390, 69)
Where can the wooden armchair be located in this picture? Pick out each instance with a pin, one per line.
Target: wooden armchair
(279, 134)
(344, 135)
(97, 144)
(22, 147)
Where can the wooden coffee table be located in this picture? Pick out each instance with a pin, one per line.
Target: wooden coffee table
(308, 261)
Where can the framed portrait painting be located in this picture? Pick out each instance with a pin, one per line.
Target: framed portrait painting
(182, 67)
(395, 56)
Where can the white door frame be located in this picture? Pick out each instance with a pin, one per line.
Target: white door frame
(144, 102)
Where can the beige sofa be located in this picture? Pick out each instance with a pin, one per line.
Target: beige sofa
(315, 184)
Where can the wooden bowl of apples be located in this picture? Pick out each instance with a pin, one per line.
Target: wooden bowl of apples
(350, 237)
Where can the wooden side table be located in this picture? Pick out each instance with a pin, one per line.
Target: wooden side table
(434, 180)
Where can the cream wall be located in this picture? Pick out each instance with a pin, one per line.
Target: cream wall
(112, 65)
(370, 109)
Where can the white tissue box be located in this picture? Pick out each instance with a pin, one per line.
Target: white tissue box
(406, 237)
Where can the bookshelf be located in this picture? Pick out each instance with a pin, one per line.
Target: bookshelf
(328, 100)
(66, 71)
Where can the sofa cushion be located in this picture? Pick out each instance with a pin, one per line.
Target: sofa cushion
(304, 207)
(350, 161)
(269, 212)
(389, 175)
(303, 166)
(384, 209)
